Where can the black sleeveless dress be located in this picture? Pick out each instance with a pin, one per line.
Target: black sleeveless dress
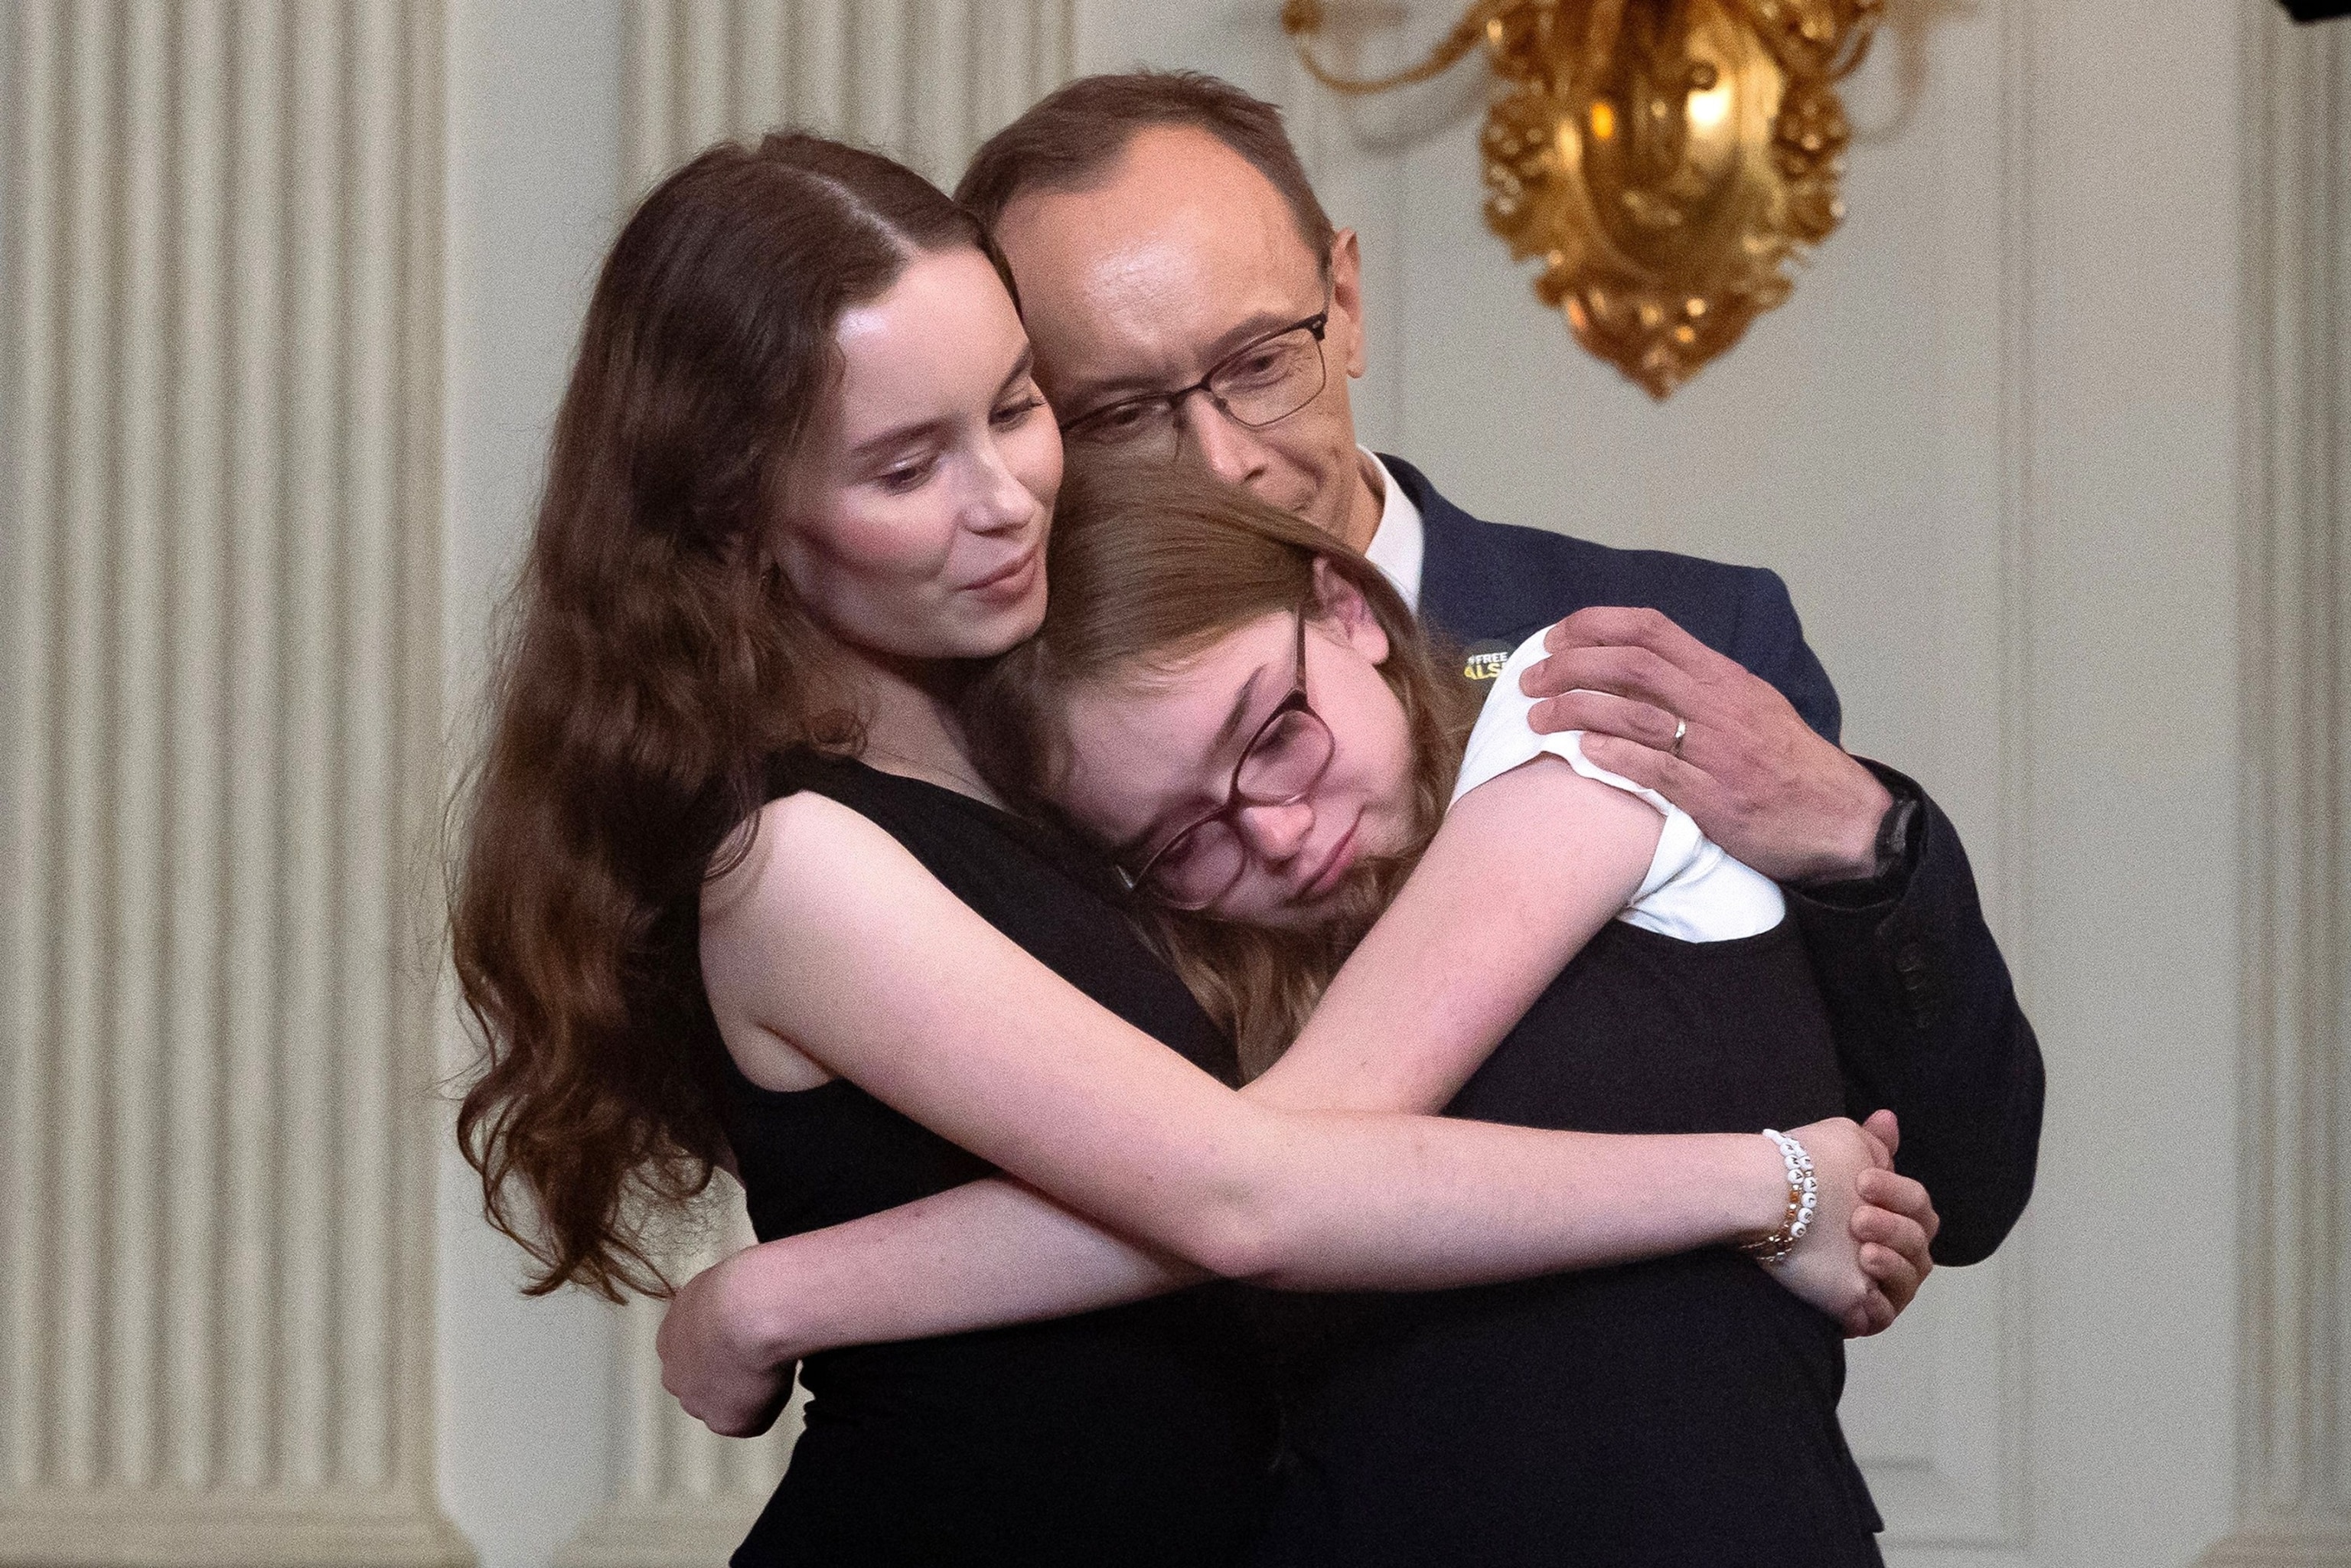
(1141, 1434)
(1679, 1412)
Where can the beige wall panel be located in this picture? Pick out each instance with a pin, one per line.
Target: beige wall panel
(523, 1386)
(221, 267)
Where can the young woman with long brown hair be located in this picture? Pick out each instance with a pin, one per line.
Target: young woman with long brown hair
(732, 887)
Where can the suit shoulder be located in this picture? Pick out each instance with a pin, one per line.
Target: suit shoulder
(1535, 575)
(1623, 564)
(1498, 581)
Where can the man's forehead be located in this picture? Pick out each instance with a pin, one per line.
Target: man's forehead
(1184, 238)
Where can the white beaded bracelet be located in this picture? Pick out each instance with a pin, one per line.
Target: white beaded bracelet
(1803, 1194)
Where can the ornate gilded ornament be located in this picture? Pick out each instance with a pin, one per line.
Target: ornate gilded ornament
(1665, 159)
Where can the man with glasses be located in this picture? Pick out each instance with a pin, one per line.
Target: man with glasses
(1186, 295)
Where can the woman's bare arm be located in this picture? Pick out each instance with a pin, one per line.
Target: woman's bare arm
(1526, 868)
(1399, 1030)
(834, 944)
(1476, 933)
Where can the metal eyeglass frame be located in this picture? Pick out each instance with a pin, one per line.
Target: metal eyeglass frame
(1316, 325)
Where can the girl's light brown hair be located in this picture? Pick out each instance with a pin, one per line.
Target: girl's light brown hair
(652, 660)
(1148, 565)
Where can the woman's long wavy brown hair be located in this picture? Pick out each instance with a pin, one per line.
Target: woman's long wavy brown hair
(1148, 565)
(650, 659)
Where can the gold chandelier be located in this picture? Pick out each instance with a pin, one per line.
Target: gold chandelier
(1665, 159)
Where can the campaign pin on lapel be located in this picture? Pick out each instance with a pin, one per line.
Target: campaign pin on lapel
(1484, 661)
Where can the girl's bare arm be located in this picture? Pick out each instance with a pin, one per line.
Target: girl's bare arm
(835, 945)
(1399, 1030)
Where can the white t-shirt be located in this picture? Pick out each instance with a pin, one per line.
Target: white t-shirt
(1694, 890)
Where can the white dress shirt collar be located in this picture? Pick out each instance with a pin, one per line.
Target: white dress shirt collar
(1397, 543)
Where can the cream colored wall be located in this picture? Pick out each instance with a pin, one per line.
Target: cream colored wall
(525, 1388)
(2043, 445)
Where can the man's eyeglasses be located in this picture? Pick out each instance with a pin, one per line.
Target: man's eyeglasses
(1282, 762)
(1266, 381)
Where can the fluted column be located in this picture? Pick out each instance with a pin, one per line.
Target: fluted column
(926, 80)
(2294, 1247)
(222, 351)
(681, 1497)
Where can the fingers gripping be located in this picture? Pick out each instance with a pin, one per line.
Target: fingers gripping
(1624, 625)
(1604, 713)
(1624, 671)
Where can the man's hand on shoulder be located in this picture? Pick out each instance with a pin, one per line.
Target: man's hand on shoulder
(1756, 779)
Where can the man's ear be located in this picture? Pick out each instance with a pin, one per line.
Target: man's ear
(1347, 300)
(1341, 607)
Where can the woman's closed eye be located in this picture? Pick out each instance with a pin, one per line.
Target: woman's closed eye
(1280, 748)
(1008, 415)
(905, 478)
(1163, 836)
(913, 468)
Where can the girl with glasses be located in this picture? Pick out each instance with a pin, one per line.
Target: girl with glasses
(732, 889)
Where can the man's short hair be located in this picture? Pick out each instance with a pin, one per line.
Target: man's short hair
(1070, 139)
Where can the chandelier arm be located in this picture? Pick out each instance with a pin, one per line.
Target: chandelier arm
(1850, 47)
(1303, 19)
(1864, 33)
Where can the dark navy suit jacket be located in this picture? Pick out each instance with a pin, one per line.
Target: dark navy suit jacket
(1925, 1015)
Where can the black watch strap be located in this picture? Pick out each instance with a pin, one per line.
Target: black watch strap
(1897, 832)
(1894, 831)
